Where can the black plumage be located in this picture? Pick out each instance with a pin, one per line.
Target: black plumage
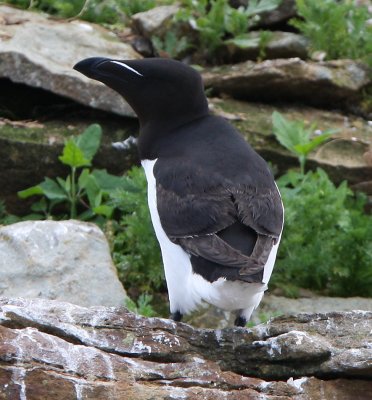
(215, 196)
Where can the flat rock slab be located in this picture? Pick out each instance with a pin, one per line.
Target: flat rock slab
(329, 84)
(58, 350)
(273, 304)
(279, 45)
(65, 260)
(46, 61)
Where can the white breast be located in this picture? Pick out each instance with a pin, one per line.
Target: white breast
(186, 289)
(177, 265)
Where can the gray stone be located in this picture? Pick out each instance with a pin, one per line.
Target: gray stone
(57, 350)
(330, 84)
(285, 11)
(280, 45)
(280, 15)
(46, 61)
(154, 22)
(65, 260)
(272, 304)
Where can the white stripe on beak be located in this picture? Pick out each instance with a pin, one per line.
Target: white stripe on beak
(127, 67)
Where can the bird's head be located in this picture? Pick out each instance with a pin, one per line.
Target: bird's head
(157, 89)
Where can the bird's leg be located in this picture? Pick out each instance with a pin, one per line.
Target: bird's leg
(240, 320)
(176, 316)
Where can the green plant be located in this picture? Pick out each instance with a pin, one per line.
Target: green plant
(5, 217)
(298, 139)
(99, 11)
(265, 38)
(327, 239)
(172, 45)
(136, 252)
(142, 306)
(84, 189)
(339, 28)
(217, 22)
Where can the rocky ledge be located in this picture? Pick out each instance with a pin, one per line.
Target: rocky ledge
(53, 350)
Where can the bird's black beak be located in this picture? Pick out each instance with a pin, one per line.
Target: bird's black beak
(106, 70)
(91, 67)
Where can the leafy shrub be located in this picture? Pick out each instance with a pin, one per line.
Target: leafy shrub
(327, 239)
(99, 11)
(142, 306)
(172, 44)
(217, 22)
(136, 251)
(339, 28)
(84, 192)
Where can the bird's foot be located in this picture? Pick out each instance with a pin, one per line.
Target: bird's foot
(240, 321)
(176, 316)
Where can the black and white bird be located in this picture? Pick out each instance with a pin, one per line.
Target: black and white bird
(215, 207)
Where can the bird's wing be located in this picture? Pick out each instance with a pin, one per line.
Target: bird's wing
(194, 205)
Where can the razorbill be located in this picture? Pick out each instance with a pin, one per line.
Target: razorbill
(215, 207)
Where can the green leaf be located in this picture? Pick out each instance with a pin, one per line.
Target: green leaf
(244, 41)
(94, 192)
(40, 206)
(83, 178)
(316, 141)
(52, 190)
(31, 191)
(108, 182)
(73, 156)
(48, 188)
(259, 6)
(89, 141)
(288, 133)
(104, 210)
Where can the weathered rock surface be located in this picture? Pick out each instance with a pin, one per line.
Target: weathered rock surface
(329, 84)
(46, 61)
(64, 260)
(280, 15)
(154, 22)
(279, 45)
(274, 304)
(285, 11)
(57, 350)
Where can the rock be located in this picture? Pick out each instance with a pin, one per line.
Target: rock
(276, 305)
(328, 84)
(58, 350)
(65, 260)
(342, 158)
(280, 15)
(280, 45)
(46, 61)
(285, 11)
(154, 22)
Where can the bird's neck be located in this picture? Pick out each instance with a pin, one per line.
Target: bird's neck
(153, 133)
